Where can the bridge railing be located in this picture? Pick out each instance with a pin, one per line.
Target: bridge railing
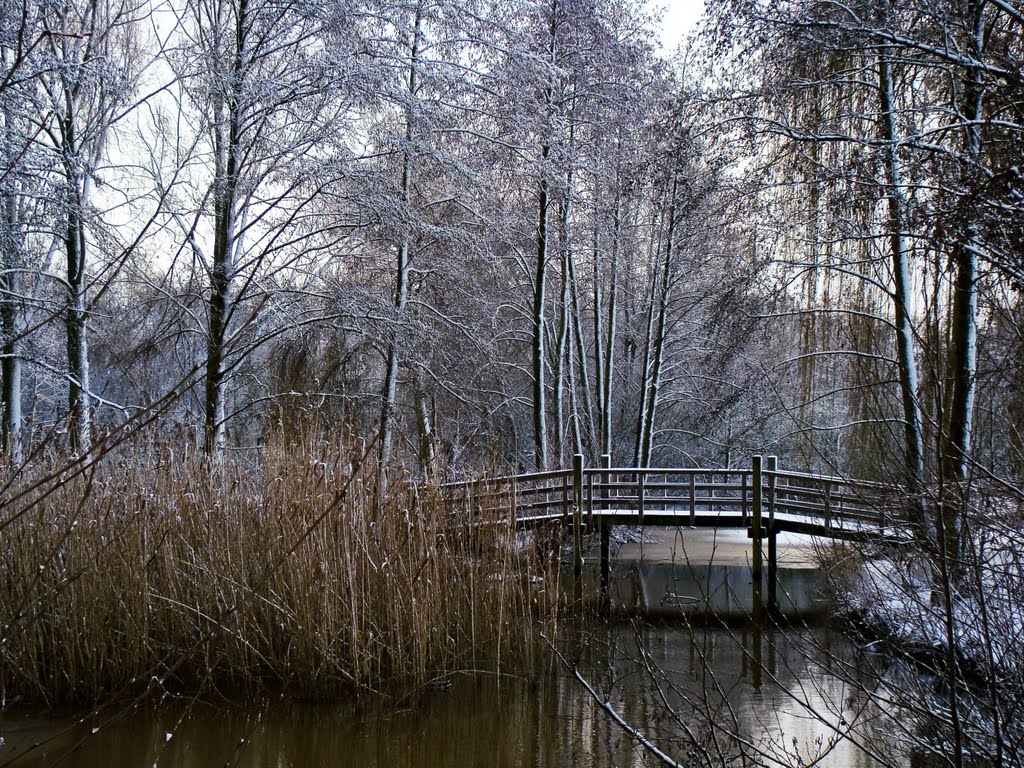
(837, 501)
(686, 491)
(683, 492)
(522, 497)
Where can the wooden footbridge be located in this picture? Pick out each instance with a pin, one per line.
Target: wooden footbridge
(763, 499)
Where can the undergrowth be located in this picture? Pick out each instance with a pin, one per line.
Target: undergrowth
(157, 572)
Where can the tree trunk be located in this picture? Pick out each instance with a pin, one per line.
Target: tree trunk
(913, 441)
(645, 369)
(228, 139)
(661, 332)
(608, 377)
(427, 444)
(598, 329)
(586, 428)
(11, 321)
(11, 328)
(390, 393)
(559, 366)
(77, 341)
(961, 369)
(540, 442)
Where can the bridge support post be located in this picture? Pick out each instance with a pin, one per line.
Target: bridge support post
(772, 466)
(606, 533)
(577, 518)
(756, 532)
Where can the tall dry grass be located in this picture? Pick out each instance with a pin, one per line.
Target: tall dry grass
(167, 573)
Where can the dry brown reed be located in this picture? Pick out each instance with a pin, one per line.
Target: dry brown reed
(169, 573)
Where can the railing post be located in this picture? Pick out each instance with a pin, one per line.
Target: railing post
(756, 557)
(514, 501)
(566, 499)
(693, 499)
(744, 510)
(606, 531)
(640, 491)
(773, 551)
(577, 515)
(590, 501)
(828, 503)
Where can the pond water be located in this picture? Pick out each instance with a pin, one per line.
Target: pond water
(693, 691)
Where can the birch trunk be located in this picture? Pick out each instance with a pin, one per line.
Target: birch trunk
(77, 340)
(390, 393)
(608, 376)
(961, 369)
(540, 442)
(586, 428)
(427, 444)
(661, 332)
(75, 313)
(227, 140)
(913, 441)
(962, 366)
(645, 369)
(11, 321)
(561, 351)
(598, 331)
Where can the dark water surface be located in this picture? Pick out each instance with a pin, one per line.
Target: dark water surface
(689, 690)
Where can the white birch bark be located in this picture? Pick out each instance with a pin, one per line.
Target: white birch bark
(401, 297)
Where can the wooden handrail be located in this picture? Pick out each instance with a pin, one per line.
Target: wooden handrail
(682, 491)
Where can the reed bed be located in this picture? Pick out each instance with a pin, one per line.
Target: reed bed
(171, 574)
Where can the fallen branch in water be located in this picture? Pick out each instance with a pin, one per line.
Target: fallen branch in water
(616, 718)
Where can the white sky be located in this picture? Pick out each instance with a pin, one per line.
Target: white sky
(680, 17)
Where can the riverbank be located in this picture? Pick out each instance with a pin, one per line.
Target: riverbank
(955, 630)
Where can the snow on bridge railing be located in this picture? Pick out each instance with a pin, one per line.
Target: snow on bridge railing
(668, 489)
(683, 491)
(835, 500)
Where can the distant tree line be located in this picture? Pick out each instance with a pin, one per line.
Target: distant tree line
(510, 232)
(885, 142)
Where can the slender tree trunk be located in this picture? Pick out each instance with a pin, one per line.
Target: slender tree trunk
(11, 321)
(75, 314)
(645, 369)
(645, 374)
(913, 440)
(561, 353)
(661, 332)
(540, 426)
(11, 259)
(540, 442)
(963, 333)
(598, 330)
(425, 422)
(586, 428)
(219, 306)
(810, 322)
(955, 448)
(10, 327)
(608, 377)
(390, 393)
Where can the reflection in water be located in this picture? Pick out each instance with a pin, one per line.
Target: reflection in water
(683, 688)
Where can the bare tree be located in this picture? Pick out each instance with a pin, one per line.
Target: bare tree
(266, 100)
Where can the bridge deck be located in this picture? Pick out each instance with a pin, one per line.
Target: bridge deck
(847, 530)
(763, 500)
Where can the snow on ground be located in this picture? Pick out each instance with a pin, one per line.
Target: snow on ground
(895, 597)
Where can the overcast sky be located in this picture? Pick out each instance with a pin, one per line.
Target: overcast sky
(680, 16)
